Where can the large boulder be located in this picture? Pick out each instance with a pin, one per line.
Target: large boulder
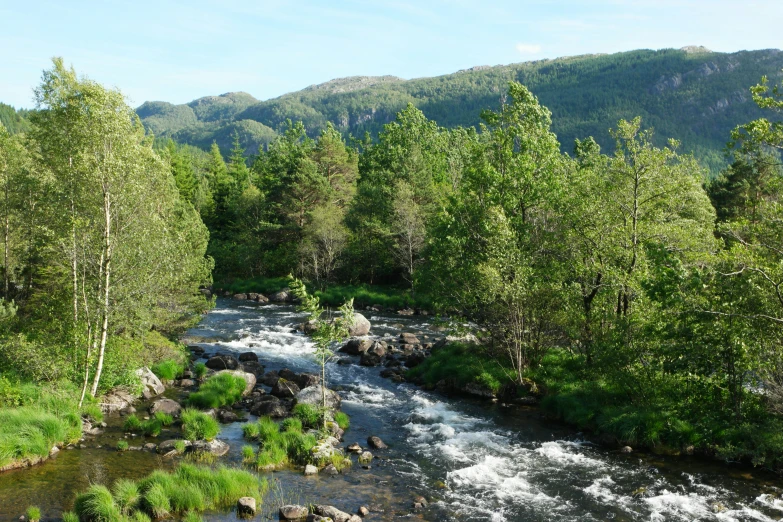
(167, 406)
(376, 442)
(240, 297)
(254, 367)
(250, 379)
(312, 396)
(360, 326)
(270, 378)
(117, 399)
(305, 380)
(215, 447)
(283, 296)
(150, 382)
(270, 406)
(293, 512)
(333, 513)
(356, 346)
(248, 356)
(285, 389)
(408, 338)
(246, 507)
(223, 362)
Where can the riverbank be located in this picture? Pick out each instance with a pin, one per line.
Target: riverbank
(569, 390)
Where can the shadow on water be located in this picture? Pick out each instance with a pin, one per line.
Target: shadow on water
(473, 460)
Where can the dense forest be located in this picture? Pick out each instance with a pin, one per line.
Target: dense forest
(641, 296)
(692, 94)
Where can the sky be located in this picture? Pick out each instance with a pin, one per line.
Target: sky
(180, 51)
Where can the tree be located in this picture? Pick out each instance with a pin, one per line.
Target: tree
(325, 331)
(409, 230)
(325, 237)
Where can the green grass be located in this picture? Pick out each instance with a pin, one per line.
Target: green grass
(132, 423)
(199, 370)
(292, 424)
(122, 445)
(97, 505)
(461, 364)
(192, 516)
(33, 514)
(336, 295)
(219, 390)
(248, 454)
(198, 425)
(342, 420)
(70, 516)
(169, 369)
(280, 447)
(126, 495)
(309, 415)
(180, 446)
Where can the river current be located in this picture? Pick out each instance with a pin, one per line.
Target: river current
(473, 460)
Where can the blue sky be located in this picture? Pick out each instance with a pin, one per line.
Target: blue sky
(179, 51)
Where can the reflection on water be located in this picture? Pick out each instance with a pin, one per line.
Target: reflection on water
(474, 461)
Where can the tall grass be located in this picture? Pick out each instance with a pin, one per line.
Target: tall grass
(169, 369)
(197, 425)
(219, 390)
(277, 447)
(187, 491)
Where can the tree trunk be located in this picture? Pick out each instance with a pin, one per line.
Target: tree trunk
(107, 247)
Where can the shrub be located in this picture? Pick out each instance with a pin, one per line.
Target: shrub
(33, 514)
(199, 370)
(298, 447)
(169, 369)
(308, 414)
(197, 425)
(219, 390)
(96, 505)
(462, 364)
(342, 420)
(122, 445)
(132, 423)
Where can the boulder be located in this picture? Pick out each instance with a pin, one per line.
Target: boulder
(186, 383)
(254, 367)
(150, 382)
(285, 389)
(227, 416)
(215, 447)
(240, 297)
(325, 449)
(310, 470)
(332, 512)
(360, 326)
(170, 445)
(293, 512)
(246, 507)
(312, 396)
(248, 356)
(283, 296)
(270, 378)
(354, 448)
(415, 359)
(356, 346)
(376, 442)
(271, 406)
(365, 458)
(370, 359)
(167, 406)
(363, 511)
(222, 362)
(406, 311)
(262, 298)
(305, 380)
(377, 349)
(117, 400)
(287, 374)
(408, 338)
(250, 379)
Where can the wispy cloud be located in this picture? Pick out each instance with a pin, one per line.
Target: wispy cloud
(528, 48)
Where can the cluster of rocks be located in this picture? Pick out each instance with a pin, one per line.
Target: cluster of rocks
(407, 352)
(283, 296)
(321, 513)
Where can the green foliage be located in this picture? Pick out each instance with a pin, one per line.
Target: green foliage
(180, 446)
(197, 425)
(219, 390)
(461, 365)
(248, 454)
(126, 495)
(132, 423)
(168, 370)
(122, 445)
(308, 414)
(70, 516)
(342, 420)
(292, 424)
(33, 514)
(97, 505)
(199, 370)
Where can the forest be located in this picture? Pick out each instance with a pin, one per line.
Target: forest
(640, 296)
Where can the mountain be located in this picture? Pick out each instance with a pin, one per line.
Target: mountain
(691, 94)
(14, 120)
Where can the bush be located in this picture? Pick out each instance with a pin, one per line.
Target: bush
(122, 445)
(309, 415)
(199, 370)
(169, 369)
(219, 390)
(342, 420)
(33, 514)
(197, 425)
(462, 364)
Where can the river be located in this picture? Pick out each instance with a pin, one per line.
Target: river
(474, 460)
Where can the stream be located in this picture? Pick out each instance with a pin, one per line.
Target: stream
(472, 459)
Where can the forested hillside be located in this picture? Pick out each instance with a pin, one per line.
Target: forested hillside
(693, 95)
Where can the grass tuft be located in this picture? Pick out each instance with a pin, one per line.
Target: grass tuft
(96, 505)
(169, 369)
(33, 514)
(342, 420)
(219, 390)
(198, 425)
(309, 415)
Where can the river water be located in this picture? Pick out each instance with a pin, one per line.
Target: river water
(474, 460)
